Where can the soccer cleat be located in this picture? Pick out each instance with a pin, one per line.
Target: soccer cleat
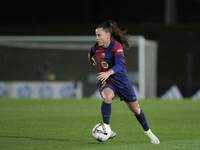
(152, 137)
(112, 135)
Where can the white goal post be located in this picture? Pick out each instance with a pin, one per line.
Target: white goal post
(145, 53)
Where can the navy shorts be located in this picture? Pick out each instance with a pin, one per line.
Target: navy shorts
(125, 94)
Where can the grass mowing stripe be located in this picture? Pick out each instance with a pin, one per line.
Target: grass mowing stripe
(67, 124)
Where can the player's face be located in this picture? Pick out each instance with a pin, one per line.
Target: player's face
(102, 37)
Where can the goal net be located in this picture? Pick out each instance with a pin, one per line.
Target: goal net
(63, 59)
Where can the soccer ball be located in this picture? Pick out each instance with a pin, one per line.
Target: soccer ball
(101, 132)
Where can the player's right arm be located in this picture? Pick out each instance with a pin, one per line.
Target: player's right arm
(90, 58)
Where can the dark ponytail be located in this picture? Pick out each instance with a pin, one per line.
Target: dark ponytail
(116, 34)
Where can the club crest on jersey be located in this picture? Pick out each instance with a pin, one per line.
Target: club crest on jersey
(104, 64)
(103, 55)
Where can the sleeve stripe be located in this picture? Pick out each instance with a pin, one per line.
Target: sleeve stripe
(119, 55)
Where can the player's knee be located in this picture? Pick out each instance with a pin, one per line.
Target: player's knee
(136, 111)
(108, 98)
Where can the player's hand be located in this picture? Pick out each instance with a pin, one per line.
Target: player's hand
(103, 76)
(92, 61)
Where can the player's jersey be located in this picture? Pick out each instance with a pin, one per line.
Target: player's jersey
(112, 57)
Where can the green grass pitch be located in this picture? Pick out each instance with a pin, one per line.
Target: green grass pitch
(66, 124)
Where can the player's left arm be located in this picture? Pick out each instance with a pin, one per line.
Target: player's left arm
(103, 76)
(119, 63)
(119, 58)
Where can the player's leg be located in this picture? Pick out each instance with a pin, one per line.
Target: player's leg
(128, 95)
(107, 92)
(139, 114)
(107, 95)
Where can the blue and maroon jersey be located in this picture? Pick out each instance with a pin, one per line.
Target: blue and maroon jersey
(112, 57)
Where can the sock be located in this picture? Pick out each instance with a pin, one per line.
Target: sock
(148, 133)
(106, 111)
(142, 120)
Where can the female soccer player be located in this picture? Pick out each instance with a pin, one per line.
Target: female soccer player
(113, 77)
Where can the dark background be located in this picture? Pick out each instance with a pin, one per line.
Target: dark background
(90, 11)
(174, 24)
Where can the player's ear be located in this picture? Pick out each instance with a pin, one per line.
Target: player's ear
(108, 35)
